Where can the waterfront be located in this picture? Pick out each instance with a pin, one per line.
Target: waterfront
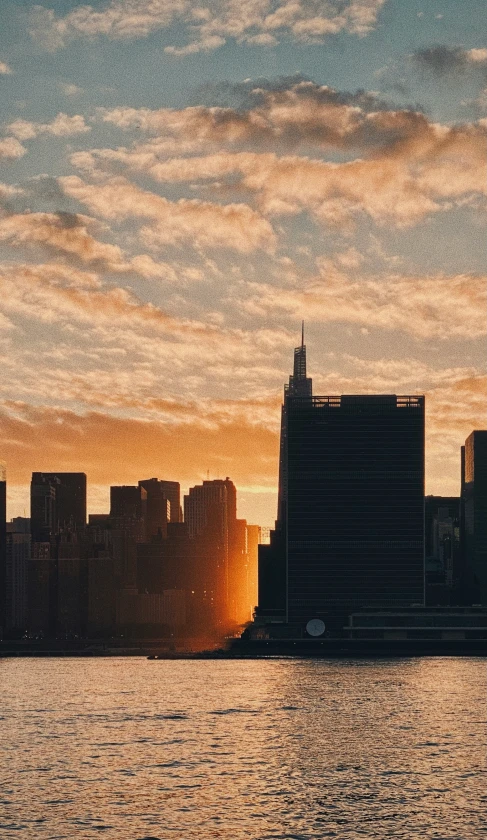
(130, 749)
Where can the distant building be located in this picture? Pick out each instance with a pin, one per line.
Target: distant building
(210, 513)
(474, 516)
(128, 523)
(170, 490)
(159, 506)
(17, 576)
(254, 538)
(443, 560)
(101, 595)
(58, 500)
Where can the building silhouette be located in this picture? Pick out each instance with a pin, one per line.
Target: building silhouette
(58, 500)
(17, 576)
(3, 546)
(128, 524)
(350, 528)
(443, 558)
(159, 506)
(474, 516)
(170, 490)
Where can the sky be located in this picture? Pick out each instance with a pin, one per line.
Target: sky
(182, 183)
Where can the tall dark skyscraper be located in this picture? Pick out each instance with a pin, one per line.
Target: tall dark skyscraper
(299, 385)
(474, 515)
(350, 528)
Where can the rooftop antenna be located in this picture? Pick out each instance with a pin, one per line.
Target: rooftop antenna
(302, 334)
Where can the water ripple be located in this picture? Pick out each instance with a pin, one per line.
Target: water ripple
(129, 749)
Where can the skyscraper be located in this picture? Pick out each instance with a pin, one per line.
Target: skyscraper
(210, 512)
(350, 527)
(474, 515)
(128, 518)
(170, 490)
(159, 506)
(58, 500)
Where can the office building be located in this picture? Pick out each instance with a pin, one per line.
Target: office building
(350, 527)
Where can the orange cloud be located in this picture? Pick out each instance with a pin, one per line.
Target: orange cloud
(425, 307)
(64, 233)
(234, 226)
(113, 450)
(409, 167)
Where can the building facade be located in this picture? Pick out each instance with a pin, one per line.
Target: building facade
(474, 516)
(350, 526)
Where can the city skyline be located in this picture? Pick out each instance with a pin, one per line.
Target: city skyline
(180, 188)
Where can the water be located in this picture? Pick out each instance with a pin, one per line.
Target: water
(127, 749)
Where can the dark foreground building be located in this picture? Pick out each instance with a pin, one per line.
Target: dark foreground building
(3, 546)
(474, 515)
(350, 529)
(355, 533)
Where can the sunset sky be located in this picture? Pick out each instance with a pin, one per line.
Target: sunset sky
(183, 182)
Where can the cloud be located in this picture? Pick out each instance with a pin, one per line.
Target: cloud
(11, 148)
(67, 236)
(442, 60)
(5, 70)
(70, 89)
(224, 437)
(53, 293)
(123, 450)
(65, 233)
(254, 22)
(437, 307)
(234, 226)
(301, 113)
(61, 126)
(399, 166)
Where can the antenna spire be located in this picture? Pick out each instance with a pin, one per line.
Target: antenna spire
(302, 334)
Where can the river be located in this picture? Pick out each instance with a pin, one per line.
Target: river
(130, 749)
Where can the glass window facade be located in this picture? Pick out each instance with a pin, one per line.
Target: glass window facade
(354, 504)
